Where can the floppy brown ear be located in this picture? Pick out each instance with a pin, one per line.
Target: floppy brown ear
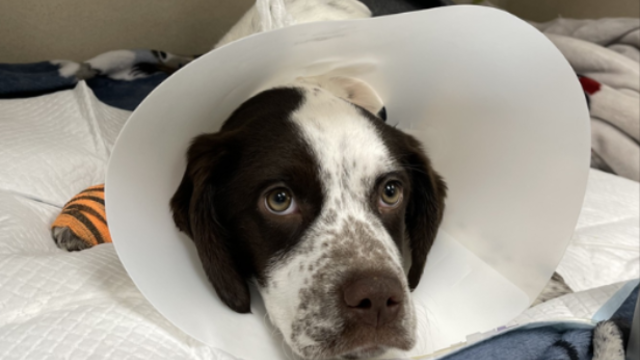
(425, 208)
(194, 213)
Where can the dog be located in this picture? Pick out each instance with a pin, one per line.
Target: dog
(291, 194)
(305, 11)
(306, 191)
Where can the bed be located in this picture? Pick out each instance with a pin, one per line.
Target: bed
(58, 305)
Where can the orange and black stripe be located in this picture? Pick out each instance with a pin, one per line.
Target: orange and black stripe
(85, 216)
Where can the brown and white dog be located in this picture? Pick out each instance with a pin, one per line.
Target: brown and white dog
(312, 196)
(328, 209)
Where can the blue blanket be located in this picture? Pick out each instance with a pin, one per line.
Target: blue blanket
(560, 341)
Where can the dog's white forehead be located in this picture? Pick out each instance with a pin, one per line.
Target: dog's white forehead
(344, 142)
(350, 155)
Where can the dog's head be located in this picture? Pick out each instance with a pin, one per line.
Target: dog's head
(318, 201)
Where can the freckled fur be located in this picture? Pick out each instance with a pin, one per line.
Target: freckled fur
(346, 236)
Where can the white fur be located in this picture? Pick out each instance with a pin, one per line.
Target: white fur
(348, 88)
(351, 155)
(298, 12)
(607, 342)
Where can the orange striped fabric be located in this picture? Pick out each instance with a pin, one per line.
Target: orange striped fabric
(85, 216)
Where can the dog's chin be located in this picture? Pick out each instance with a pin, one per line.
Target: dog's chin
(365, 352)
(362, 347)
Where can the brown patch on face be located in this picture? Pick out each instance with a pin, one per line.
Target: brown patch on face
(227, 173)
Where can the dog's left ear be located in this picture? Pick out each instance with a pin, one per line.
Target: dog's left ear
(425, 208)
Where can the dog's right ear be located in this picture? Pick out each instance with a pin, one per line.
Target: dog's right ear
(194, 213)
(426, 206)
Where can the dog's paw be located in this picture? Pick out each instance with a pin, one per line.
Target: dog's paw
(608, 342)
(67, 240)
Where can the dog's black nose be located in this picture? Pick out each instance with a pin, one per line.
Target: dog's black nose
(374, 300)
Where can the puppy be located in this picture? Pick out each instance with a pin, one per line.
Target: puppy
(314, 198)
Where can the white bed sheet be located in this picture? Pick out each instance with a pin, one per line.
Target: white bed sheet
(59, 305)
(605, 247)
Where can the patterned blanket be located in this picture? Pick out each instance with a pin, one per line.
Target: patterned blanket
(121, 78)
(561, 341)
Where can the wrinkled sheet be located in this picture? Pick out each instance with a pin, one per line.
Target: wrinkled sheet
(605, 53)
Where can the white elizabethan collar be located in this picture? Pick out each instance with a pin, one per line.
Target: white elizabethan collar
(497, 107)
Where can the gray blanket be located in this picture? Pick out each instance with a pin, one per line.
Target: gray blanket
(606, 53)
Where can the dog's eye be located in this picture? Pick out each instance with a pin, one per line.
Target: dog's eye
(280, 201)
(391, 194)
